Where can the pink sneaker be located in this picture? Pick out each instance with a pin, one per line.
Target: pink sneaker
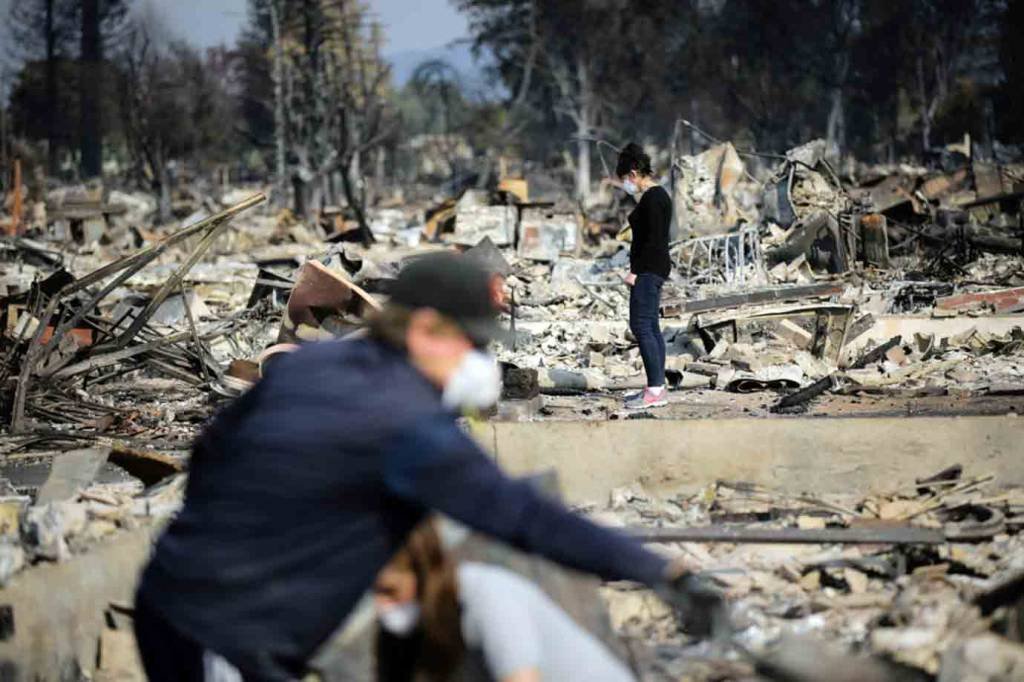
(648, 399)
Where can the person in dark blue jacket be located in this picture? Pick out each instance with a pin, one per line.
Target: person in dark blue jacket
(304, 487)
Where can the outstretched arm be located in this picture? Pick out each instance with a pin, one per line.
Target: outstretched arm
(438, 466)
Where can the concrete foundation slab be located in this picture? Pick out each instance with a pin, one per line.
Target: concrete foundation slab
(847, 455)
(57, 611)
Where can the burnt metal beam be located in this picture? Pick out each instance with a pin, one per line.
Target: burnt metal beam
(148, 253)
(115, 357)
(132, 264)
(876, 353)
(127, 266)
(894, 535)
(1006, 593)
(218, 225)
(798, 398)
(756, 297)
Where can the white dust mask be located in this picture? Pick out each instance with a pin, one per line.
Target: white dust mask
(400, 619)
(475, 385)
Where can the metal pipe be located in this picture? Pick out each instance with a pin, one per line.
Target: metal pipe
(898, 535)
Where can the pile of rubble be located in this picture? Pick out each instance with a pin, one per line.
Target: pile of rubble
(55, 507)
(904, 283)
(791, 284)
(925, 579)
(118, 344)
(784, 283)
(802, 289)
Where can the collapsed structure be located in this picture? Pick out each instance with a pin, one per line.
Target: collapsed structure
(884, 291)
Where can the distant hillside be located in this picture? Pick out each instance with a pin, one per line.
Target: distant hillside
(404, 63)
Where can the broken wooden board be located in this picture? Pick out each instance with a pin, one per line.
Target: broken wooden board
(147, 466)
(941, 185)
(70, 473)
(892, 191)
(438, 218)
(793, 333)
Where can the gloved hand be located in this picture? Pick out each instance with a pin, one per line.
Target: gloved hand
(701, 609)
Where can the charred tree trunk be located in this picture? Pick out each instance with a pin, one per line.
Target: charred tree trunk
(584, 127)
(315, 191)
(51, 90)
(926, 121)
(280, 169)
(930, 98)
(379, 171)
(162, 180)
(299, 198)
(695, 117)
(583, 165)
(90, 83)
(355, 203)
(836, 129)
(308, 147)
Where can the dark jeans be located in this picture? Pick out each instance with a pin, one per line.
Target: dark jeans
(169, 656)
(166, 654)
(644, 304)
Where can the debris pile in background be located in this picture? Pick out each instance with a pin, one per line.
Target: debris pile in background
(926, 576)
(877, 291)
(784, 284)
(792, 292)
(712, 189)
(69, 338)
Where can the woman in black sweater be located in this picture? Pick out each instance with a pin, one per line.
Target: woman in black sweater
(649, 267)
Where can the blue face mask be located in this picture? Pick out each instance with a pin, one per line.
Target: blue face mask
(630, 187)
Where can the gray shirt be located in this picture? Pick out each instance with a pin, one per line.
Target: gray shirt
(512, 625)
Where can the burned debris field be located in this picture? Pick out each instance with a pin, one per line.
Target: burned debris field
(823, 428)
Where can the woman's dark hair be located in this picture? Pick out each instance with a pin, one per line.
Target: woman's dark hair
(633, 158)
(390, 325)
(438, 649)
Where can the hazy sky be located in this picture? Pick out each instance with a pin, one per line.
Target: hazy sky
(202, 22)
(409, 24)
(419, 24)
